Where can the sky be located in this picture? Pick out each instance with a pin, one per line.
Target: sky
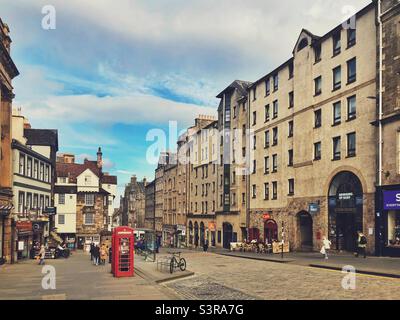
(113, 71)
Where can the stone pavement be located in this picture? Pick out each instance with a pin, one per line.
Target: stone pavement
(258, 279)
(76, 279)
(383, 266)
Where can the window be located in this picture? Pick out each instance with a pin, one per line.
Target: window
(88, 180)
(275, 111)
(276, 82)
(254, 166)
(41, 171)
(291, 187)
(267, 113)
(267, 142)
(266, 165)
(61, 198)
(35, 201)
(290, 158)
(337, 113)
(274, 190)
(317, 52)
(255, 93)
(318, 118)
(266, 191)
(351, 108)
(317, 151)
(291, 100)
(337, 47)
(336, 148)
(35, 169)
(41, 202)
(254, 191)
(275, 136)
(267, 87)
(351, 37)
(47, 174)
(29, 201)
(254, 118)
(234, 112)
(89, 219)
(351, 70)
(254, 142)
(243, 198)
(244, 152)
(275, 163)
(61, 219)
(89, 199)
(351, 144)
(29, 167)
(21, 202)
(290, 134)
(318, 85)
(21, 164)
(291, 70)
(337, 78)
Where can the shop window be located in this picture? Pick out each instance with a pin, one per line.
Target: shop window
(394, 228)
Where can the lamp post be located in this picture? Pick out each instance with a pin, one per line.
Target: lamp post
(283, 238)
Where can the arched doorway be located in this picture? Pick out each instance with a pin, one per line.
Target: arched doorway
(345, 210)
(190, 232)
(196, 234)
(305, 223)
(202, 234)
(228, 235)
(270, 231)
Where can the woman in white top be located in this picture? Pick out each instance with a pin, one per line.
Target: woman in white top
(326, 246)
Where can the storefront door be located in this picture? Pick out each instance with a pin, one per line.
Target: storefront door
(228, 235)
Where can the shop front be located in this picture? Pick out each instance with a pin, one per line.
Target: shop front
(24, 240)
(388, 221)
(5, 211)
(168, 235)
(180, 236)
(212, 229)
(84, 241)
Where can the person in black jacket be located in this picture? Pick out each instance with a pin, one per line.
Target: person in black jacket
(110, 255)
(96, 255)
(91, 251)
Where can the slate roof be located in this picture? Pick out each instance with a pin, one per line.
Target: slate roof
(110, 179)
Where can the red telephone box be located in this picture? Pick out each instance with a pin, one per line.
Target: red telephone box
(122, 252)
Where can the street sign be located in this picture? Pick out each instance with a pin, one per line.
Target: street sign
(313, 208)
(51, 211)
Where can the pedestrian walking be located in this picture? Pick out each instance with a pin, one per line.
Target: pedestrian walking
(103, 254)
(205, 246)
(96, 255)
(91, 251)
(110, 255)
(326, 246)
(42, 255)
(361, 245)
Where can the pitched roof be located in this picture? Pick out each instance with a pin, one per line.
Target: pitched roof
(73, 170)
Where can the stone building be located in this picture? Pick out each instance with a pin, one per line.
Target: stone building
(150, 197)
(82, 201)
(388, 181)
(8, 71)
(233, 169)
(202, 179)
(134, 203)
(314, 169)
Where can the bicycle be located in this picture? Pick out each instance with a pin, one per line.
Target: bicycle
(175, 264)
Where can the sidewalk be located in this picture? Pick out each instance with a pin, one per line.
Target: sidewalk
(379, 266)
(148, 270)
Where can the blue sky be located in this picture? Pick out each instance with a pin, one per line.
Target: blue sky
(113, 70)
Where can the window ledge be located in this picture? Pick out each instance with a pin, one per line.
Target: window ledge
(337, 124)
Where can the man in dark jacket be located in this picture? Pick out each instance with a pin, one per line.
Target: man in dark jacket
(91, 251)
(96, 255)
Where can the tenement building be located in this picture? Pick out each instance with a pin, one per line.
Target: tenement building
(8, 71)
(150, 197)
(134, 203)
(388, 124)
(314, 170)
(234, 153)
(202, 177)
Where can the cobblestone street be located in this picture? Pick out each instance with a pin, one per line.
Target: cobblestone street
(275, 281)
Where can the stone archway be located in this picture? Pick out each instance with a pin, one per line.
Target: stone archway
(345, 201)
